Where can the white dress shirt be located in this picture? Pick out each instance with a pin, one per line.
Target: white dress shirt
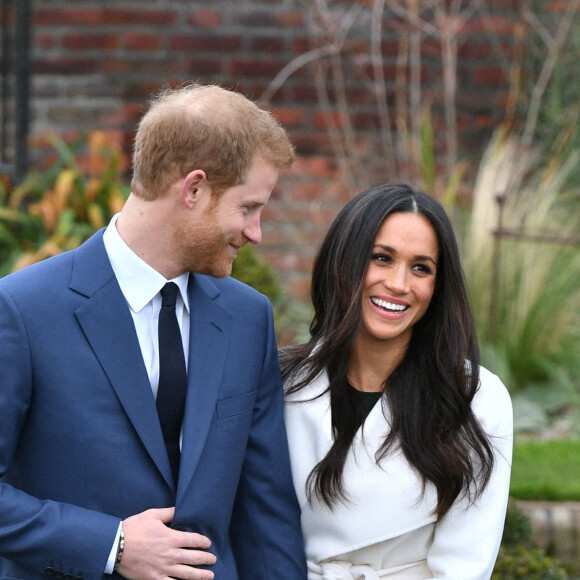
(141, 286)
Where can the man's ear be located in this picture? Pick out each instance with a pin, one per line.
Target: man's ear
(193, 187)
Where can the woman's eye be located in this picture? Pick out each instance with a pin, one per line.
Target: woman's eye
(383, 258)
(422, 269)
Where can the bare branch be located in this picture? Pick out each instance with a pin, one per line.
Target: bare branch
(380, 86)
(413, 18)
(536, 23)
(449, 60)
(415, 84)
(294, 65)
(547, 70)
(344, 157)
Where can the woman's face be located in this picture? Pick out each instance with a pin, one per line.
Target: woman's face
(400, 279)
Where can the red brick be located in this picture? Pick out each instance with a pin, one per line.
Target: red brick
(45, 41)
(135, 41)
(205, 18)
(301, 45)
(138, 17)
(90, 41)
(198, 43)
(320, 120)
(306, 191)
(289, 117)
(205, 67)
(557, 6)
(67, 16)
(499, 24)
(292, 19)
(116, 66)
(316, 166)
(492, 76)
(312, 144)
(476, 49)
(288, 261)
(255, 68)
(255, 18)
(64, 66)
(268, 44)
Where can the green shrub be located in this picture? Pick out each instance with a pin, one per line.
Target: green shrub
(528, 564)
(517, 528)
(253, 270)
(518, 558)
(525, 292)
(291, 317)
(57, 210)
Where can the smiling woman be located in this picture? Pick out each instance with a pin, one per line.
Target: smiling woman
(400, 442)
(398, 284)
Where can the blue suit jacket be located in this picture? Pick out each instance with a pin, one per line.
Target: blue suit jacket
(80, 441)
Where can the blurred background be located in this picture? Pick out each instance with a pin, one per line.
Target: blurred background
(475, 101)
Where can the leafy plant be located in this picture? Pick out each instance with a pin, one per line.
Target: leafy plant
(527, 564)
(525, 290)
(518, 558)
(291, 317)
(56, 211)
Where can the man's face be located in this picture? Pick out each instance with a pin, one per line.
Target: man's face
(227, 223)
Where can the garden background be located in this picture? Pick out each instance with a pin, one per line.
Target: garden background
(474, 100)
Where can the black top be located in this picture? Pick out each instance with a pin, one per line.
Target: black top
(367, 398)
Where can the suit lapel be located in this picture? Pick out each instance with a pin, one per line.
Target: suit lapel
(208, 345)
(108, 326)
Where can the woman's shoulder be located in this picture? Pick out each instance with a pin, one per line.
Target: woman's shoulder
(492, 403)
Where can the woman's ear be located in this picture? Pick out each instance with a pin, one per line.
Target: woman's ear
(193, 187)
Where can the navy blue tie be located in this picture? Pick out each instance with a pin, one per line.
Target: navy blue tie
(172, 376)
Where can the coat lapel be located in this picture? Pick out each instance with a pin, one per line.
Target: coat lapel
(208, 346)
(108, 326)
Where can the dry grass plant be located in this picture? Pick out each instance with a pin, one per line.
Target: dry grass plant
(525, 290)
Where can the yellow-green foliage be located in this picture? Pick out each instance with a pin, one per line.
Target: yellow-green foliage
(56, 211)
(536, 335)
(527, 564)
(518, 558)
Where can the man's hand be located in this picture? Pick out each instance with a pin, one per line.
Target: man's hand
(154, 551)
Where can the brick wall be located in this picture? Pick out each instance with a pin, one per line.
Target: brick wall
(95, 62)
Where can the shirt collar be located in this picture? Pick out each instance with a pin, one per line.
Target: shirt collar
(139, 282)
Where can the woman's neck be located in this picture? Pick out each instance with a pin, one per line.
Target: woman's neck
(370, 365)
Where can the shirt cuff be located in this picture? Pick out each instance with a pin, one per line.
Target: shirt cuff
(113, 554)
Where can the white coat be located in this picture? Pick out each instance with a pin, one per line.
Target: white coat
(387, 529)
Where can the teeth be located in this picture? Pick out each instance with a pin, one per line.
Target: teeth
(388, 305)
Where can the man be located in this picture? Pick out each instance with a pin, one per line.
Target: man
(97, 476)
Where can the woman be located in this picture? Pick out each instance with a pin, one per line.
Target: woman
(400, 442)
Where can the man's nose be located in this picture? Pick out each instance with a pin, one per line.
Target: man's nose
(252, 231)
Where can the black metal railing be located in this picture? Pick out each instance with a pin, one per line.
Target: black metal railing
(14, 87)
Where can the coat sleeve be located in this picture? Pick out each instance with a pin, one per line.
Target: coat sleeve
(265, 531)
(467, 538)
(38, 534)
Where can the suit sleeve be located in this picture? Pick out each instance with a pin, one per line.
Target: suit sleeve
(467, 538)
(265, 530)
(38, 533)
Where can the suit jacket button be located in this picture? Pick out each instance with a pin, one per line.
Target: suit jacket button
(179, 528)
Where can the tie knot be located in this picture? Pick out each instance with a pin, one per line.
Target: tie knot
(169, 294)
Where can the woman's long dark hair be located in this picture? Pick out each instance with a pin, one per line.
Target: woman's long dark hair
(431, 390)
